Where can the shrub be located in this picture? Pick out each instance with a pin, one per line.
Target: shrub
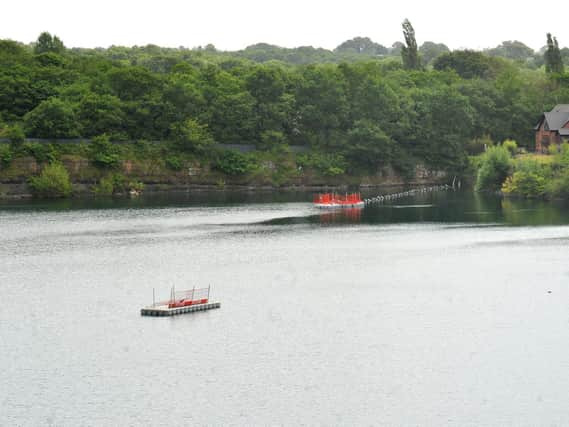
(105, 187)
(41, 152)
(495, 167)
(16, 135)
(559, 186)
(53, 181)
(561, 157)
(6, 154)
(110, 184)
(527, 184)
(511, 146)
(135, 186)
(234, 163)
(191, 136)
(116, 183)
(103, 153)
(326, 164)
(553, 149)
(174, 163)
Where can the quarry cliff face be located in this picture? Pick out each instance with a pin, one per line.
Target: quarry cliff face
(84, 175)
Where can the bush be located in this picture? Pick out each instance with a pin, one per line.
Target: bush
(52, 182)
(105, 187)
(559, 186)
(511, 146)
(191, 136)
(41, 152)
(6, 154)
(174, 163)
(527, 184)
(16, 135)
(103, 153)
(553, 149)
(495, 166)
(234, 163)
(326, 164)
(116, 183)
(561, 156)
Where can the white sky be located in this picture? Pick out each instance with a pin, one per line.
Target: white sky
(233, 25)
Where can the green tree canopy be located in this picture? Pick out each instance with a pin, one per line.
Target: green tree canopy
(48, 43)
(429, 51)
(363, 46)
(52, 118)
(513, 50)
(468, 64)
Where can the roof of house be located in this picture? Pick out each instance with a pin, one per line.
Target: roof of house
(555, 119)
(561, 108)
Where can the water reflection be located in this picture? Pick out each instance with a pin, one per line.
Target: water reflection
(446, 207)
(450, 207)
(341, 216)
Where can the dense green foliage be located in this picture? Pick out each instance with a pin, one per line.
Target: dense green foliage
(6, 155)
(53, 181)
(513, 50)
(357, 110)
(552, 56)
(538, 176)
(529, 179)
(116, 183)
(495, 166)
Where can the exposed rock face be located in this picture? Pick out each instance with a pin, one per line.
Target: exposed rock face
(157, 177)
(421, 173)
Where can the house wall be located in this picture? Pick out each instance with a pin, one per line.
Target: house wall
(544, 138)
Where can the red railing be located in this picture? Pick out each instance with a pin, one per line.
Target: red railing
(332, 198)
(184, 298)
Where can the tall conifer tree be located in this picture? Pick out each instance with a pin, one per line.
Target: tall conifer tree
(409, 53)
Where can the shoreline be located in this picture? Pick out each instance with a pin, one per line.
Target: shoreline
(20, 191)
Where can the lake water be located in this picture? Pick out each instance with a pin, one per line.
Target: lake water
(440, 309)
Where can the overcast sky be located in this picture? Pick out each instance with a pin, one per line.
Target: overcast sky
(235, 24)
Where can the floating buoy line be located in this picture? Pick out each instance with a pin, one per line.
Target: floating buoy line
(386, 197)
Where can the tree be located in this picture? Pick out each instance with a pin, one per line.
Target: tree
(134, 83)
(429, 51)
(552, 56)
(513, 50)
(369, 147)
(48, 43)
(53, 118)
(361, 45)
(409, 54)
(191, 136)
(396, 48)
(273, 105)
(468, 64)
(100, 114)
(494, 169)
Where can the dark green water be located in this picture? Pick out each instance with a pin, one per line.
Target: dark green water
(443, 206)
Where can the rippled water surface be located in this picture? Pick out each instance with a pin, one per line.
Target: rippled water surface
(439, 309)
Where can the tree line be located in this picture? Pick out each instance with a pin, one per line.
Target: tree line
(379, 111)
